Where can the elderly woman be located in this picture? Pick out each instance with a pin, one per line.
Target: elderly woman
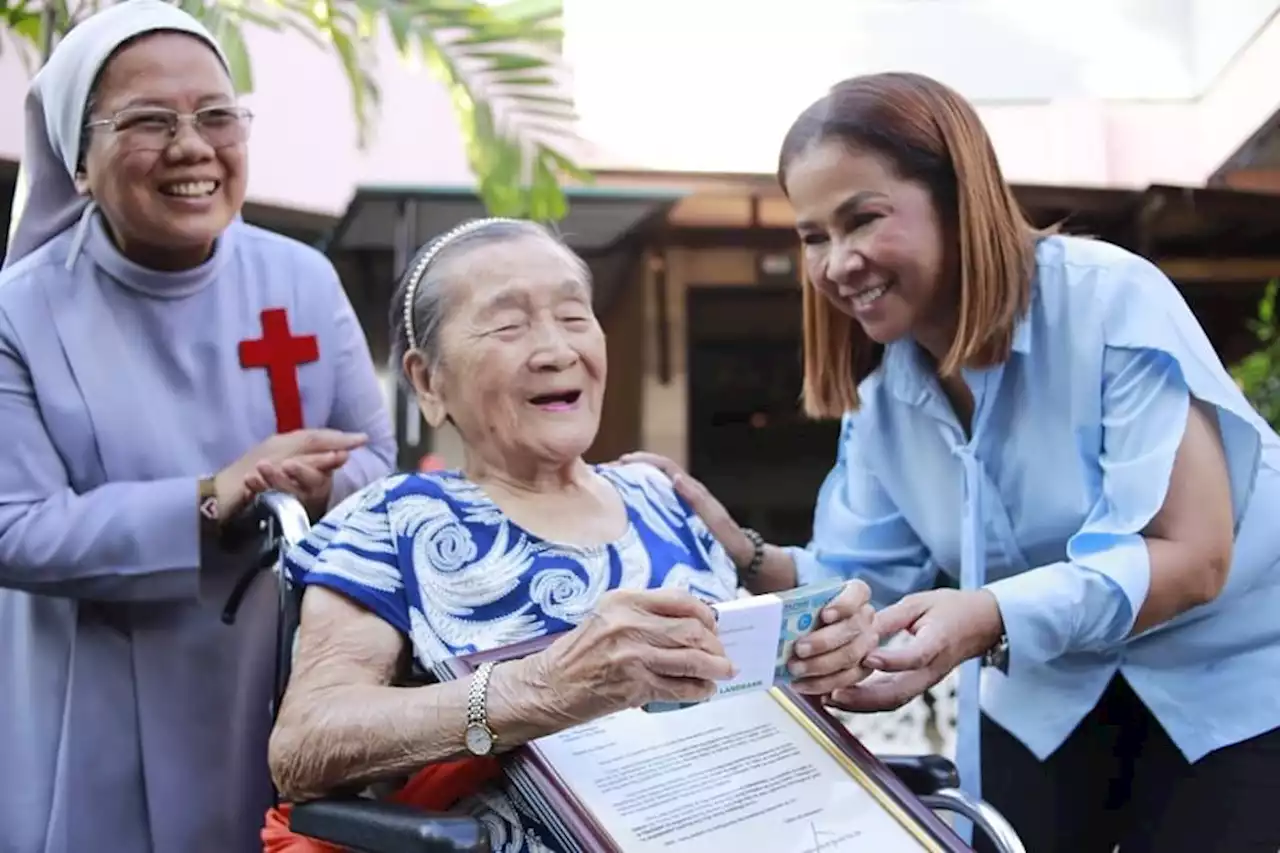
(131, 718)
(1039, 420)
(495, 331)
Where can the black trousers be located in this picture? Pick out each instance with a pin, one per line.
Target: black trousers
(1119, 780)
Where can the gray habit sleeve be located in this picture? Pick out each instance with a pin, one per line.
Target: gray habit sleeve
(120, 541)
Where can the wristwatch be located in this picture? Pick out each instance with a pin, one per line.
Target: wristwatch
(997, 657)
(479, 737)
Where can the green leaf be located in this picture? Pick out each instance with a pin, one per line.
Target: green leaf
(529, 10)
(243, 14)
(27, 26)
(567, 167)
(1258, 374)
(228, 34)
(509, 62)
(547, 202)
(1267, 307)
(400, 23)
(232, 41)
(364, 91)
(513, 119)
(499, 34)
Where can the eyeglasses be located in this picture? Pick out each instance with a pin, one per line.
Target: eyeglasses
(155, 128)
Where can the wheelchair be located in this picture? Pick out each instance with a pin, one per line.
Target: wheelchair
(364, 825)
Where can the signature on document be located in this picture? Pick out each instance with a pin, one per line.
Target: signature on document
(824, 840)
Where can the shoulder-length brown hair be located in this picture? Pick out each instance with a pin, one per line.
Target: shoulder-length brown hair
(930, 135)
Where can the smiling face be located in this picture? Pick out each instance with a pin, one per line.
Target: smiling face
(873, 244)
(165, 203)
(522, 365)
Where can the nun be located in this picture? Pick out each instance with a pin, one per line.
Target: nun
(160, 362)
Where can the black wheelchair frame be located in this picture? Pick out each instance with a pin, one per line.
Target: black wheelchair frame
(364, 825)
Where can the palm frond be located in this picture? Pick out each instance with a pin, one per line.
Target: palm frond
(345, 29)
(499, 61)
(502, 65)
(31, 29)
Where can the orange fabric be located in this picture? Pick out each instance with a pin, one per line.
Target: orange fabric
(435, 788)
(430, 462)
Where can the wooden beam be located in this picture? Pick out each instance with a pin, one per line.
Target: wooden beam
(1220, 270)
(1251, 180)
(761, 239)
(1249, 151)
(1225, 271)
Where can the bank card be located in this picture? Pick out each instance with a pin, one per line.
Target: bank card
(758, 634)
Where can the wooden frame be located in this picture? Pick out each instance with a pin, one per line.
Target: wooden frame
(934, 835)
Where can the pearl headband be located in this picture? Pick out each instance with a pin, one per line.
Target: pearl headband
(427, 257)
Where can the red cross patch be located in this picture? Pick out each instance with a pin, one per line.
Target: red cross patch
(280, 352)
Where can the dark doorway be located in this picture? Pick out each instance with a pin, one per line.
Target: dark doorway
(748, 440)
(8, 186)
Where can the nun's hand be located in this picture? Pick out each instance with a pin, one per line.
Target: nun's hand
(309, 479)
(947, 628)
(299, 463)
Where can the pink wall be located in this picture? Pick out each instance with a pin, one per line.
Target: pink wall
(1137, 144)
(304, 143)
(304, 154)
(13, 84)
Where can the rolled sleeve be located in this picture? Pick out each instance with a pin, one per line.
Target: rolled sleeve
(1089, 602)
(858, 532)
(122, 541)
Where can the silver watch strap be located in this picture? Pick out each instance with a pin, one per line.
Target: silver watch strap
(477, 696)
(997, 657)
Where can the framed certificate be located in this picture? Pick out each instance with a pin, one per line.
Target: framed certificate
(761, 771)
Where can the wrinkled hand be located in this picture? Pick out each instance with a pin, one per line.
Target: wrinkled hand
(831, 658)
(638, 646)
(300, 463)
(713, 514)
(947, 626)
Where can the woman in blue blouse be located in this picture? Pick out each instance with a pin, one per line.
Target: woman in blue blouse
(494, 328)
(1040, 419)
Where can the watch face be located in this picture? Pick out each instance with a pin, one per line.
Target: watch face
(478, 740)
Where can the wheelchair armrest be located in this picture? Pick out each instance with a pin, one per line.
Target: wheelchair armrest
(923, 774)
(371, 826)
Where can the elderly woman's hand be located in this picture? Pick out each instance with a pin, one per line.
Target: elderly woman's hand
(832, 657)
(638, 646)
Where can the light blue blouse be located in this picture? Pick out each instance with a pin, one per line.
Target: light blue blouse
(1073, 442)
